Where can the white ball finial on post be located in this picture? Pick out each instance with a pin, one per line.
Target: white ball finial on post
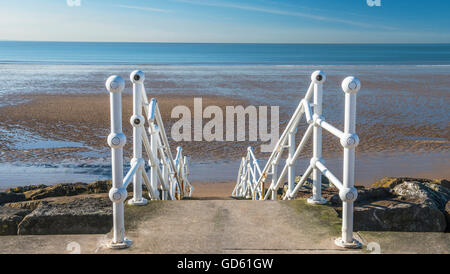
(115, 84)
(351, 85)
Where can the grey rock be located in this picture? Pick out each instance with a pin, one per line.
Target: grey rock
(401, 204)
(366, 195)
(393, 215)
(10, 219)
(447, 216)
(30, 205)
(421, 193)
(58, 190)
(22, 189)
(88, 215)
(9, 197)
(101, 186)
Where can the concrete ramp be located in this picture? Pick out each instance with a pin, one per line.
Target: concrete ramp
(230, 226)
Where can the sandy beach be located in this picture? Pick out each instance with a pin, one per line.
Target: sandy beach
(85, 119)
(72, 128)
(54, 119)
(213, 190)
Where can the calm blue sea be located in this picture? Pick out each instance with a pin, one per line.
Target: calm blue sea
(197, 54)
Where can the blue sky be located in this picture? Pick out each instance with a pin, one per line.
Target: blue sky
(244, 21)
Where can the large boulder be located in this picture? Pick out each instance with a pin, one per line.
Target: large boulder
(10, 219)
(101, 186)
(22, 189)
(30, 205)
(10, 197)
(365, 195)
(38, 192)
(391, 182)
(402, 204)
(447, 215)
(87, 215)
(421, 193)
(58, 190)
(394, 215)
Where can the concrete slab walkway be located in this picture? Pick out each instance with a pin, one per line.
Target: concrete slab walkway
(228, 226)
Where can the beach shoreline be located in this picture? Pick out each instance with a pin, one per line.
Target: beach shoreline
(69, 131)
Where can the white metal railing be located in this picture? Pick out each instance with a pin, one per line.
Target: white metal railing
(168, 176)
(249, 173)
(250, 184)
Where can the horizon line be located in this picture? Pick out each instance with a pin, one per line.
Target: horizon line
(250, 43)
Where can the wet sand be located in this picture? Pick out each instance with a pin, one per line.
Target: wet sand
(209, 190)
(56, 129)
(84, 121)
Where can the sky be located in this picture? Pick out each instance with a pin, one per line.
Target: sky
(227, 21)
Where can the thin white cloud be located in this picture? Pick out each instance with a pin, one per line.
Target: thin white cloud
(285, 12)
(142, 8)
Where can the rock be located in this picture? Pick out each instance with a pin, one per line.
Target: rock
(22, 189)
(445, 183)
(447, 215)
(10, 219)
(10, 197)
(401, 204)
(87, 215)
(366, 195)
(101, 186)
(421, 193)
(393, 215)
(309, 181)
(391, 182)
(37, 192)
(56, 191)
(30, 205)
(388, 182)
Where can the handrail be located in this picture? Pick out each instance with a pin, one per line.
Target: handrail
(249, 172)
(279, 147)
(348, 139)
(292, 161)
(165, 175)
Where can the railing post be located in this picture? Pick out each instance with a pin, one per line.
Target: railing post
(137, 121)
(249, 180)
(116, 140)
(291, 167)
(349, 141)
(318, 78)
(274, 180)
(242, 187)
(180, 167)
(154, 150)
(186, 172)
(165, 175)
